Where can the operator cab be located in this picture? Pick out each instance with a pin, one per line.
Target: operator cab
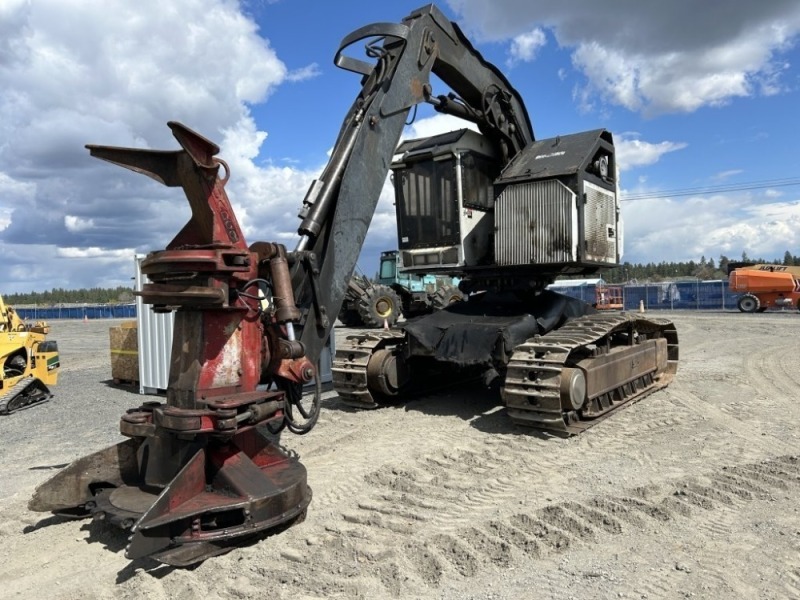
(443, 199)
(552, 210)
(391, 273)
(387, 272)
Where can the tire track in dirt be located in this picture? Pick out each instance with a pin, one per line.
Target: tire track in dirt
(774, 368)
(338, 463)
(444, 486)
(438, 490)
(650, 416)
(790, 581)
(428, 552)
(741, 395)
(720, 424)
(505, 499)
(765, 377)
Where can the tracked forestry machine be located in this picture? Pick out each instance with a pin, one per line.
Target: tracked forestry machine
(30, 362)
(203, 471)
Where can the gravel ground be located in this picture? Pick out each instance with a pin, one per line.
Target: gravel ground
(692, 492)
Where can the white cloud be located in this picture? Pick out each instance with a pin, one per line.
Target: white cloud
(525, 46)
(711, 225)
(25, 267)
(104, 254)
(304, 73)
(81, 72)
(266, 198)
(654, 57)
(759, 237)
(674, 82)
(76, 224)
(438, 123)
(14, 191)
(633, 152)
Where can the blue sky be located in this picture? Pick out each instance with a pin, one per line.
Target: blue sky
(696, 94)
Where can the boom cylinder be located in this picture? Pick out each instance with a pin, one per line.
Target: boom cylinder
(282, 282)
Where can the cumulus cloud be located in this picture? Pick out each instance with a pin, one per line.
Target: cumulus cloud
(438, 123)
(525, 46)
(766, 230)
(78, 72)
(13, 194)
(633, 152)
(103, 254)
(75, 224)
(654, 57)
(685, 229)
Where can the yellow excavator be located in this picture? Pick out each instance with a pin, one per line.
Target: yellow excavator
(30, 362)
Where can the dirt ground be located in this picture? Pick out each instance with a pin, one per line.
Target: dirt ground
(692, 492)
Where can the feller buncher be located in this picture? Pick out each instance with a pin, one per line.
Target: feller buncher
(30, 362)
(764, 286)
(508, 213)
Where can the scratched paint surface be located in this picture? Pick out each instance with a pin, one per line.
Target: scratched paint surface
(226, 368)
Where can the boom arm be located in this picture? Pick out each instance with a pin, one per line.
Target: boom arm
(338, 207)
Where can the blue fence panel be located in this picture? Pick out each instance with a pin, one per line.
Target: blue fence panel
(698, 295)
(677, 295)
(681, 294)
(90, 311)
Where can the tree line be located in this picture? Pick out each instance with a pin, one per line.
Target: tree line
(704, 269)
(58, 296)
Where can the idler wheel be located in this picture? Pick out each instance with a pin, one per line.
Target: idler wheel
(573, 389)
(387, 372)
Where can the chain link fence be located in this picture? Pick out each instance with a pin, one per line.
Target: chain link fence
(691, 294)
(687, 294)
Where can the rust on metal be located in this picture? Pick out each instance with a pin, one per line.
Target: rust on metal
(196, 476)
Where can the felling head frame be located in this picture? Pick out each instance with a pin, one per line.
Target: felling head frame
(197, 475)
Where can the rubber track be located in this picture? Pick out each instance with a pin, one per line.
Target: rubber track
(536, 401)
(350, 365)
(29, 389)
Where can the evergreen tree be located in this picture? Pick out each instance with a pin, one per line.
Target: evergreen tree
(723, 263)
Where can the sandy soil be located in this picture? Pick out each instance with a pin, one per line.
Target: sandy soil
(692, 492)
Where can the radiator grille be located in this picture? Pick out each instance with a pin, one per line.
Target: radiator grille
(600, 217)
(536, 223)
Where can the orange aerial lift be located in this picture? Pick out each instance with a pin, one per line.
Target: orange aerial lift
(765, 286)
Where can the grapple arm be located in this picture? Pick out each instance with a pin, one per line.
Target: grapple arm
(339, 205)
